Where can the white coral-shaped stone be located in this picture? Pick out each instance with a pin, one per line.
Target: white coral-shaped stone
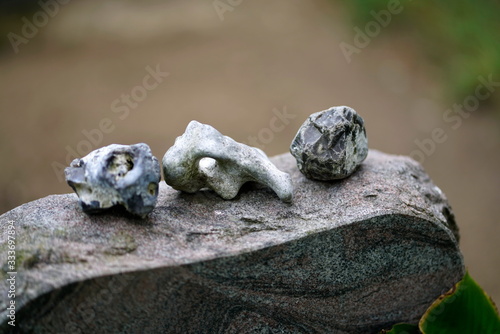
(204, 158)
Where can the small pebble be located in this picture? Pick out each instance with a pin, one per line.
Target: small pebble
(116, 175)
(330, 144)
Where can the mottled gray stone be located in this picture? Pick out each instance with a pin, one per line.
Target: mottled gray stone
(351, 256)
(204, 158)
(126, 175)
(331, 144)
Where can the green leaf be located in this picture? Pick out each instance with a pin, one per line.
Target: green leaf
(464, 309)
(402, 329)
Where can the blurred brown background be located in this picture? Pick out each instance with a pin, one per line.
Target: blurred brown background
(236, 67)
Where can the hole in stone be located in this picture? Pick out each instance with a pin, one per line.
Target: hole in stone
(120, 164)
(152, 188)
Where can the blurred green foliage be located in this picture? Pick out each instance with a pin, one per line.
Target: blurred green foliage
(11, 14)
(464, 309)
(460, 37)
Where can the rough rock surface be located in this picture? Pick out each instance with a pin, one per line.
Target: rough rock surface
(349, 256)
(331, 144)
(125, 175)
(204, 158)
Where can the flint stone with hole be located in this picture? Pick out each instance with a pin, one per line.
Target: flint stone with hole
(204, 158)
(331, 144)
(116, 175)
(352, 256)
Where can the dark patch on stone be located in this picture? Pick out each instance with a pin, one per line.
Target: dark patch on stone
(92, 207)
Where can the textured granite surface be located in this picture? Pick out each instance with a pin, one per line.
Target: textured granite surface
(349, 256)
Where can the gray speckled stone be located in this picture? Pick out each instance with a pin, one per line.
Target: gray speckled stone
(330, 144)
(204, 158)
(353, 256)
(116, 175)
